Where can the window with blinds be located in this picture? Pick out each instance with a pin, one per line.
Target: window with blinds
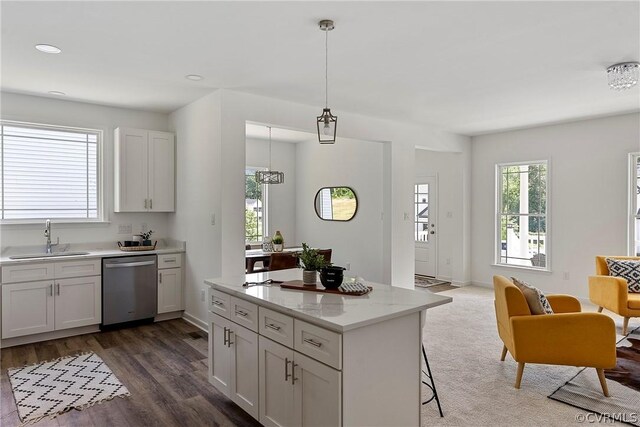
(49, 173)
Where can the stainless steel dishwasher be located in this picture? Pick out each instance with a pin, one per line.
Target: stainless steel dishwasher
(129, 289)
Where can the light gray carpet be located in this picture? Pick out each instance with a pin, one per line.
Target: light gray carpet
(475, 388)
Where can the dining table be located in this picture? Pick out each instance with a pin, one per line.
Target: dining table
(253, 256)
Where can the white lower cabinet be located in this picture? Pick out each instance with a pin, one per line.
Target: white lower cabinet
(296, 390)
(169, 290)
(233, 362)
(27, 308)
(78, 302)
(37, 307)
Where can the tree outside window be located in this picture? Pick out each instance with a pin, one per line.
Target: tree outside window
(522, 215)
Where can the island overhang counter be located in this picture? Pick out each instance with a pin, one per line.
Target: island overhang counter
(291, 357)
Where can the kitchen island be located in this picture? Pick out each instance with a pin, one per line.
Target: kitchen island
(299, 358)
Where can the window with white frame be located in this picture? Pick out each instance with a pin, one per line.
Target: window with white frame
(255, 210)
(634, 204)
(49, 172)
(522, 215)
(421, 211)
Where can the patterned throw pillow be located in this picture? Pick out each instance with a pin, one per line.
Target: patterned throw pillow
(538, 303)
(628, 270)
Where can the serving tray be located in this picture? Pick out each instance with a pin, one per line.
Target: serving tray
(137, 248)
(298, 285)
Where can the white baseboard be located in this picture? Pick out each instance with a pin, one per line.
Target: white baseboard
(195, 321)
(461, 284)
(46, 336)
(482, 284)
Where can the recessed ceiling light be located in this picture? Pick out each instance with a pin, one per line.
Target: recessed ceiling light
(194, 77)
(57, 92)
(47, 48)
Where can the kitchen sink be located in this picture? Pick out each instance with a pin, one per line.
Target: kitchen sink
(53, 255)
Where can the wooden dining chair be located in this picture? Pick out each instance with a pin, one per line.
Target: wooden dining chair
(326, 253)
(282, 261)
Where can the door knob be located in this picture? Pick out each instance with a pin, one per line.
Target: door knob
(432, 232)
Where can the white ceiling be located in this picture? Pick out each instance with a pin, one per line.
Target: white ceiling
(469, 67)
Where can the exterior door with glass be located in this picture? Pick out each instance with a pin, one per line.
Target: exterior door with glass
(425, 233)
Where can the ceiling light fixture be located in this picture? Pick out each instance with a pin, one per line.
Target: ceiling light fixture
(623, 75)
(57, 93)
(47, 48)
(326, 122)
(194, 77)
(269, 176)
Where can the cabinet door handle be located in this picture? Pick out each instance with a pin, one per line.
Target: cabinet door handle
(241, 313)
(312, 342)
(57, 288)
(169, 260)
(160, 277)
(51, 290)
(272, 326)
(229, 342)
(145, 203)
(293, 372)
(225, 335)
(150, 203)
(286, 369)
(218, 303)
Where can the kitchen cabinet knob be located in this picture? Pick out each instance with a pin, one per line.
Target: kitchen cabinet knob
(293, 372)
(286, 369)
(241, 313)
(312, 342)
(272, 326)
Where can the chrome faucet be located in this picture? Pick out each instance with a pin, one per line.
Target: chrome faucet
(47, 234)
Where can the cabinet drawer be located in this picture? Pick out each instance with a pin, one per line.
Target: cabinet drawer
(276, 326)
(219, 303)
(318, 343)
(80, 268)
(27, 272)
(244, 313)
(169, 261)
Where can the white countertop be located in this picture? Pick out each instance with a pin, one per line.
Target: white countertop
(336, 312)
(96, 250)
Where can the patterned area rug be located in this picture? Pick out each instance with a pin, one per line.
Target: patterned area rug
(427, 282)
(583, 391)
(51, 388)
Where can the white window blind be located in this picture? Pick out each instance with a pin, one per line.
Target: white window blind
(49, 172)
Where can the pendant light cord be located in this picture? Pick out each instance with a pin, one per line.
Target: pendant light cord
(326, 68)
(269, 148)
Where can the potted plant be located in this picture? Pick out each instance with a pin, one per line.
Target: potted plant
(311, 262)
(278, 242)
(146, 238)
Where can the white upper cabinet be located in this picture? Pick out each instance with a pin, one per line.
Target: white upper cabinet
(144, 171)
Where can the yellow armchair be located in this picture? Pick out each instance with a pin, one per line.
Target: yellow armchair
(567, 337)
(612, 292)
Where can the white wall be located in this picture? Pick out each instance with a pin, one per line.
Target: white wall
(588, 190)
(198, 196)
(348, 163)
(282, 197)
(68, 113)
(238, 108)
(449, 168)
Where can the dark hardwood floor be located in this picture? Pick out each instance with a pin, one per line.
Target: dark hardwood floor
(164, 366)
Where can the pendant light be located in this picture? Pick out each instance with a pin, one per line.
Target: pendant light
(326, 122)
(269, 176)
